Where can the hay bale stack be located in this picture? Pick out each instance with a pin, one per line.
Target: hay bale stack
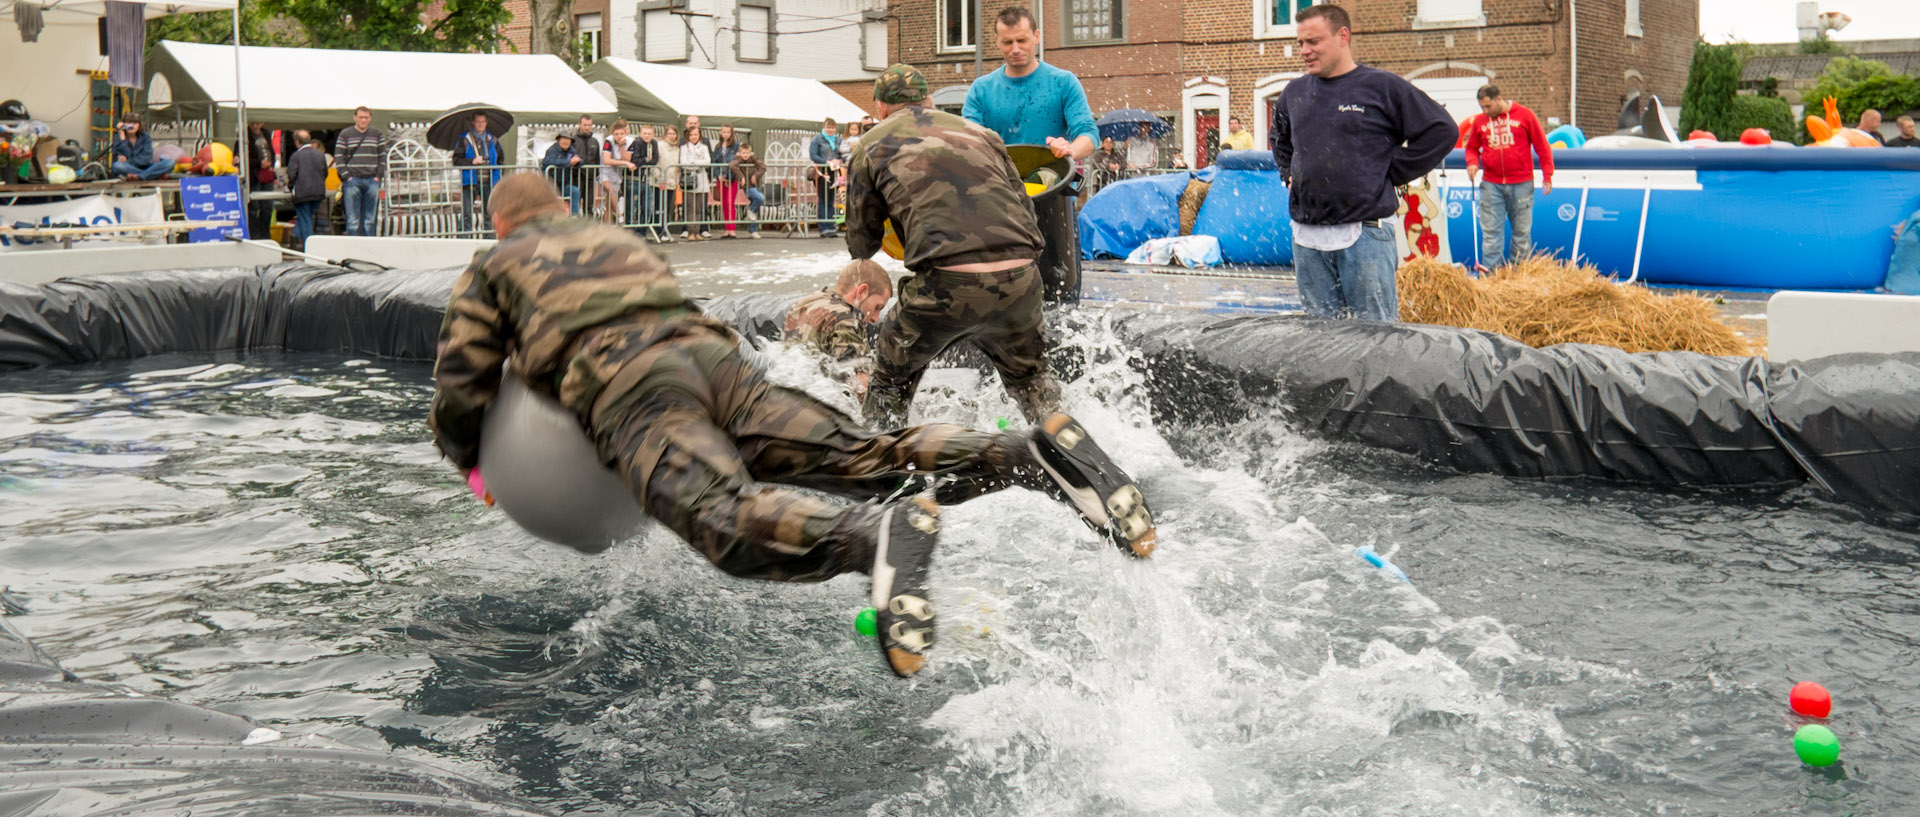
(1191, 198)
(1543, 301)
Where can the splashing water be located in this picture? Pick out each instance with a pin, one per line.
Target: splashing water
(275, 537)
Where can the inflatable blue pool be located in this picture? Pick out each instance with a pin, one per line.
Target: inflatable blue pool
(1767, 218)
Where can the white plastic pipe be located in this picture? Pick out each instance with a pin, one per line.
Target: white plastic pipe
(1573, 61)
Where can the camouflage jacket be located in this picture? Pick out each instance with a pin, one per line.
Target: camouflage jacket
(533, 302)
(825, 321)
(952, 192)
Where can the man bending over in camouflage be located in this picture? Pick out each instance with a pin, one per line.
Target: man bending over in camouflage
(588, 313)
(834, 321)
(970, 237)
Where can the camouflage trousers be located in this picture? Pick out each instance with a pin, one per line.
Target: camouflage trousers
(998, 311)
(696, 431)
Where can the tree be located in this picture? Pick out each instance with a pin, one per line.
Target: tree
(1822, 44)
(1712, 80)
(1891, 95)
(1840, 76)
(256, 28)
(396, 25)
(552, 23)
(1843, 73)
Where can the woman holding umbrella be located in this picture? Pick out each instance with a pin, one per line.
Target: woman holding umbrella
(472, 134)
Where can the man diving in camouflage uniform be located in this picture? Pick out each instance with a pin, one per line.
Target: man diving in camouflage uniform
(970, 239)
(589, 314)
(834, 321)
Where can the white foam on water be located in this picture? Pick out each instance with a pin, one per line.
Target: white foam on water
(1254, 666)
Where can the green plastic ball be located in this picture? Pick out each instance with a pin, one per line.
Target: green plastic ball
(866, 623)
(1816, 745)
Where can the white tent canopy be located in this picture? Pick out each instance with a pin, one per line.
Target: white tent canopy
(309, 86)
(651, 92)
(86, 11)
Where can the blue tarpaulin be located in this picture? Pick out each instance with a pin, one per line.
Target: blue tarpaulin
(1246, 208)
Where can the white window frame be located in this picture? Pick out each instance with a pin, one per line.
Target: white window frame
(969, 7)
(1426, 17)
(873, 40)
(1263, 25)
(1633, 19)
(1207, 90)
(640, 29)
(740, 34)
(1066, 25)
(599, 32)
(1263, 89)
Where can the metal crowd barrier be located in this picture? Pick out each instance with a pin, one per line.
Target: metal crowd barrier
(660, 203)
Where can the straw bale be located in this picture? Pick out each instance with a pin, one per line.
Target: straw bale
(1543, 301)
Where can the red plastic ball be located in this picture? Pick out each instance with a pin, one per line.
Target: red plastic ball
(1810, 699)
(1756, 136)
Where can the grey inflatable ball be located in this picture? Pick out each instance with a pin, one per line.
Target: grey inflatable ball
(543, 472)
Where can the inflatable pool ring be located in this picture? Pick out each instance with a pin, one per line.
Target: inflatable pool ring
(1756, 136)
(544, 473)
(1566, 136)
(1830, 132)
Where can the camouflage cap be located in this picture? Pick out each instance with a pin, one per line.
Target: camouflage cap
(900, 83)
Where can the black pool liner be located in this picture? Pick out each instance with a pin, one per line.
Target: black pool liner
(1457, 398)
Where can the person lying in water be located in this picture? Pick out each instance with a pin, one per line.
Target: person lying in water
(588, 313)
(834, 321)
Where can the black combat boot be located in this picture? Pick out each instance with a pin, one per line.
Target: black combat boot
(894, 544)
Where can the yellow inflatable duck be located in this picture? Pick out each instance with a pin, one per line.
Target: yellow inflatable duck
(1829, 132)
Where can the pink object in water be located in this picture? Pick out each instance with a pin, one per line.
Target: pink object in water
(478, 485)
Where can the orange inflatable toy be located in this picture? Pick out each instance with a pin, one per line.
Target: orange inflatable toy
(1829, 132)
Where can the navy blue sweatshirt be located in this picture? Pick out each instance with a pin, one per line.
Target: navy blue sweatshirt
(1339, 143)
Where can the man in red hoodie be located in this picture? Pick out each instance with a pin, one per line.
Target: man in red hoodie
(1501, 141)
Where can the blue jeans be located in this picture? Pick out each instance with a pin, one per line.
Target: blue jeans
(471, 194)
(1499, 202)
(1355, 282)
(361, 199)
(150, 172)
(303, 221)
(755, 200)
(823, 189)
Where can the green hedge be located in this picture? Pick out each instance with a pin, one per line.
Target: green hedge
(1772, 113)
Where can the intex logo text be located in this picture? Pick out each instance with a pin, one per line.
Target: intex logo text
(1353, 109)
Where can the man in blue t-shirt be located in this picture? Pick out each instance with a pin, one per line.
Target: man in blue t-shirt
(1344, 136)
(1029, 102)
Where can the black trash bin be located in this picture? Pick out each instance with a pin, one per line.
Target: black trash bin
(1057, 208)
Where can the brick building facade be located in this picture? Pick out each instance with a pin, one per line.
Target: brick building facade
(1198, 62)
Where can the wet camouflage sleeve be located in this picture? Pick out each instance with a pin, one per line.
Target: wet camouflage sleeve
(949, 187)
(532, 297)
(829, 324)
(466, 370)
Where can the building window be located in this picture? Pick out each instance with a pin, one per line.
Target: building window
(1449, 14)
(591, 44)
(873, 41)
(959, 24)
(664, 36)
(1094, 21)
(1274, 18)
(753, 40)
(1633, 19)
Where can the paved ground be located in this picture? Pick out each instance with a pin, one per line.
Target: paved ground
(734, 266)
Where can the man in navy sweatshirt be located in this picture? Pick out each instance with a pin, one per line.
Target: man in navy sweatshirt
(1344, 136)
